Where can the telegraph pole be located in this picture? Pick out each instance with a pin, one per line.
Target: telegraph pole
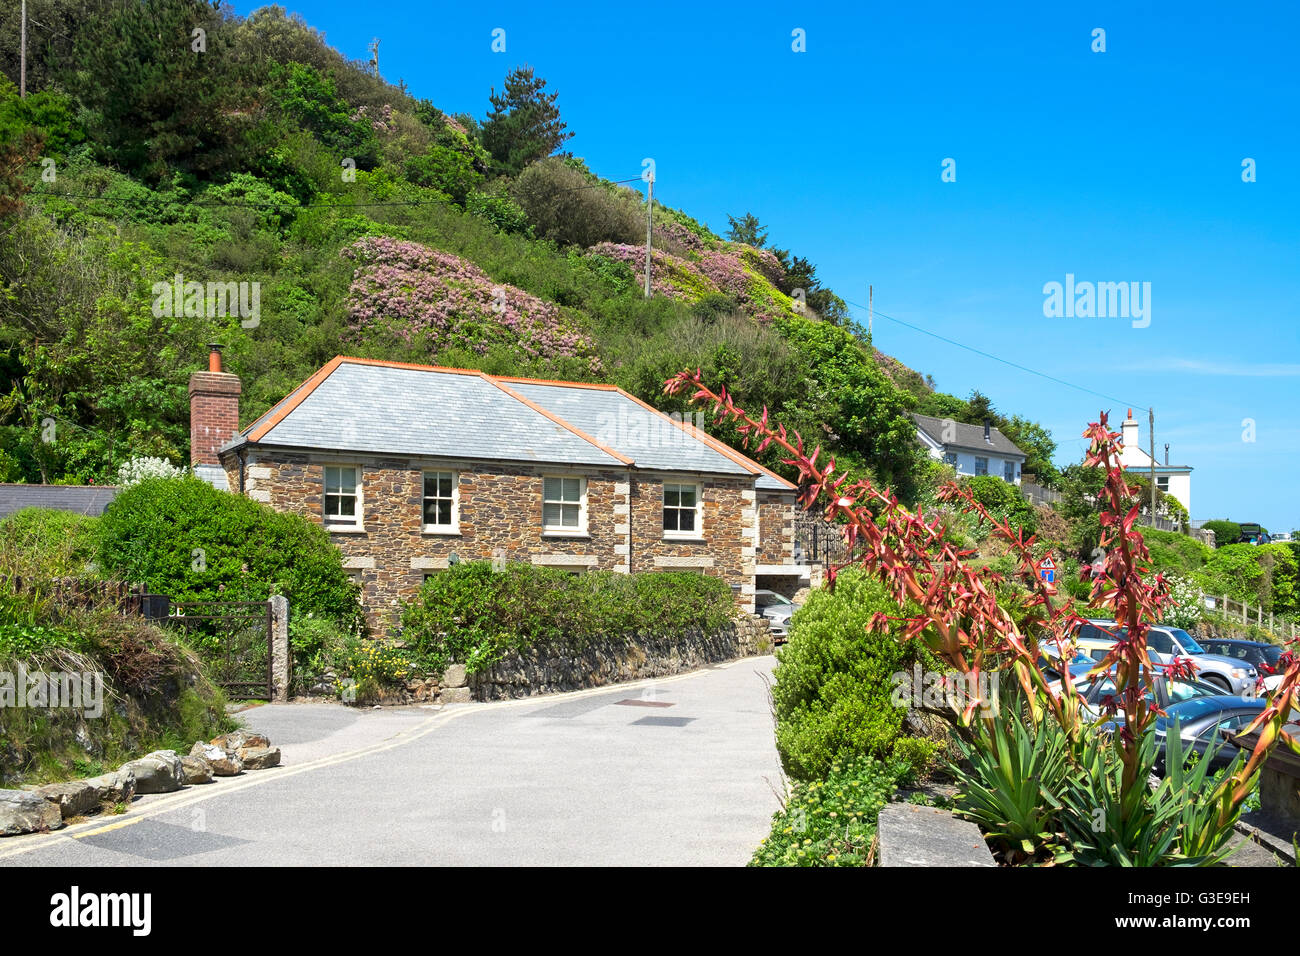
(22, 56)
(870, 311)
(649, 224)
(1151, 440)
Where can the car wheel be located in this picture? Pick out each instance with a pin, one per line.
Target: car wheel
(1219, 682)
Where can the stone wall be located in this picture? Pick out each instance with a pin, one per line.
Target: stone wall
(500, 508)
(776, 528)
(616, 660)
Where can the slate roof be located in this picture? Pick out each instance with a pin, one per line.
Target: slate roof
(967, 437)
(82, 499)
(388, 408)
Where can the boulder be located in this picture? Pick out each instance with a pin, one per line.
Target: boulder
(157, 772)
(259, 758)
(224, 763)
(455, 695)
(74, 798)
(197, 770)
(24, 811)
(115, 787)
(239, 739)
(454, 676)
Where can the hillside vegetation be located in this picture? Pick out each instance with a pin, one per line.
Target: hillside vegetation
(140, 170)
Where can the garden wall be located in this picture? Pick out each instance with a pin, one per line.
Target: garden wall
(550, 670)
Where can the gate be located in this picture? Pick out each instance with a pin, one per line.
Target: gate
(234, 640)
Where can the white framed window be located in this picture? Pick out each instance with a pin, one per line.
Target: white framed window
(981, 466)
(342, 502)
(681, 510)
(1009, 472)
(1162, 482)
(564, 504)
(441, 503)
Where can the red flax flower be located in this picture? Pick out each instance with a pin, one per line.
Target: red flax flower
(960, 617)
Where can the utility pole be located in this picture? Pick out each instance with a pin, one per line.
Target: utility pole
(870, 311)
(1151, 440)
(374, 55)
(649, 224)
(22, 56)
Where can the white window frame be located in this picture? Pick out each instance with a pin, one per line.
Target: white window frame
(562, 530)
(1009, 471)
(454, 526)
(696, 533)
(978, 459)
(342, 522)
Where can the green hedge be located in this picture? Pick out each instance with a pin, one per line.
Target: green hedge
(834, 682)
(472, 614)
(184, 538)
(1004, 501)
(1171, 551)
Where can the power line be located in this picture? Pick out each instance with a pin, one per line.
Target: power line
(990, 355)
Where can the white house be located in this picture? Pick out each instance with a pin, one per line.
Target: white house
(970, 449)
(1175, 480)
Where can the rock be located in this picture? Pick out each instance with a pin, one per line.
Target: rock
(157, 772)
(23, 811)
(259, 758)
(224, 763)
(197, 770)
(74, 798)
(454, 676)
(456, 695)
(912, 835)
(116, 787)
(239, 739)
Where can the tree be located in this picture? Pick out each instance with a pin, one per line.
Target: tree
(524, 124)
(1037, 444)
(747, 229)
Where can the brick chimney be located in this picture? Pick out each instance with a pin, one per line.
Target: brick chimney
(214, 415)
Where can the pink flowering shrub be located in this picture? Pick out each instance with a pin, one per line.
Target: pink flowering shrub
(410, 290)
(380, 124)
(671, 276)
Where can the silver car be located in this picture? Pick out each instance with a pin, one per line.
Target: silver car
(1229, 675)
(778, 610)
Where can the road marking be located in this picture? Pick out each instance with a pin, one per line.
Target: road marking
(196, 794)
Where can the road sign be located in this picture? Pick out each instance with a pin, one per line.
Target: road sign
(1047, 569)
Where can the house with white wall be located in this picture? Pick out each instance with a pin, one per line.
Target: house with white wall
(970, 449)
(1175, 480)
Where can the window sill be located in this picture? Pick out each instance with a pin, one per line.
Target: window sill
(438, 530)
(547, 533)
(345, 529)
(684, 539)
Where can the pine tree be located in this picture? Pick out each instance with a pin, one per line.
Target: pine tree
(524, 124)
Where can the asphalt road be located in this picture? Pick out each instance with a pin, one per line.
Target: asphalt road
(677, 771)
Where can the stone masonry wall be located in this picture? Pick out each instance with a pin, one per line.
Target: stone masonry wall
(616, 660)
(775, 528)
(500, 516)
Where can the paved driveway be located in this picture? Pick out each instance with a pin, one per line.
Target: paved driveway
(675, 771)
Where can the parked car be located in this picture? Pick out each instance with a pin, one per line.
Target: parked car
(1199, 723)
(1264, 657)
(1163, 693)
(1079, 666)
(778, 610)
(1164, 645)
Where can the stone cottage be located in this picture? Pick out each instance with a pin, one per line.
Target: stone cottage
(411, 468)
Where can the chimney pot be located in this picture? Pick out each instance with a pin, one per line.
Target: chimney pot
(988, 430)
(214, 357)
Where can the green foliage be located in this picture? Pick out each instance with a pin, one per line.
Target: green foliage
(1225, 532)
(834, 681)
(43, 542)
(186, 539)
(1173, 552)
(311, 100)
(450, 171)
(1011, 765)
(571, 208)
(474, 615)
(1266, 576)
(832, 822)
(524, 124)
(1004, 501)
(747, 229)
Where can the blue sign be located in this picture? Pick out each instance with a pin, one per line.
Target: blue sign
(1047, 570)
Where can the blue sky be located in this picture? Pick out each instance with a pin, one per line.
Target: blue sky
(1114, 167)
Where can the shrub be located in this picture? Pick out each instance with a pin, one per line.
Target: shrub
(832, 822)
(500, 210)
(571, 208)
(471, 614)
(184, 538)
(138, 469)
(834, 680)
(42, 542)
(1004, 500)
(1174, 552)
(1225, 532)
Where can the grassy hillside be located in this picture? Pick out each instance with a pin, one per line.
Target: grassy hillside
(368, 222)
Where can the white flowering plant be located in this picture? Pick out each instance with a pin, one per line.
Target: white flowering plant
(138, 469)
